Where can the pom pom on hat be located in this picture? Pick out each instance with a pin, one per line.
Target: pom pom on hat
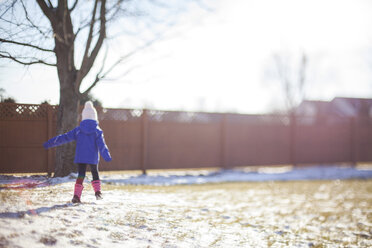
(89, 112)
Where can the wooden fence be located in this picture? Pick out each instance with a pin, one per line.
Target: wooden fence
(151, 139)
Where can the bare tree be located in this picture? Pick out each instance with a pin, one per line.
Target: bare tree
(291, 75)
(292, 78)
(67, 35)
(3, 97)
(2, 93)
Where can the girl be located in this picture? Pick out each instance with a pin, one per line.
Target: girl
(89, 140)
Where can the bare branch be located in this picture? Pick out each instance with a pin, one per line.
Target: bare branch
(103, 62)
(292, 77)
(73, 6)
(85, 24)
(122, 74)
(30, 21)
(102, 33)
(9, 8)
(88, 62)
(100, 76)
(81, 28)
(302, 70)
(47, 10)
(103, 77)
(20, 28)
(92, 85)
(26, 44)
(302, 75)
(25, 62)
(50, 4)
(90, 35)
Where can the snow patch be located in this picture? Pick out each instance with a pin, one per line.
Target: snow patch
(164, 178)
(243, 175)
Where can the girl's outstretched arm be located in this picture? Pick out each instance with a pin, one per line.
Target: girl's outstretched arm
(61, 139)
(102, 147)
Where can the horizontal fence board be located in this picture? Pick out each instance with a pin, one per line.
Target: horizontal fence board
(254, 144)
(323, 144)
(23, 160)
(364, 141)
(124, 141)
(183, 145)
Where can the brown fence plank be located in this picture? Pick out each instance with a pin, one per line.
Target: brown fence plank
(323, 143)
(258, 144)
(183, 145)
(124, 141)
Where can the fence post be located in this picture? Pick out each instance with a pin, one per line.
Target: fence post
(353, 141)
(144, 137)
(292, 139)
(49, 136)
(223, 152)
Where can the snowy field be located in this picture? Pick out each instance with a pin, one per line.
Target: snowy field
(264, 207)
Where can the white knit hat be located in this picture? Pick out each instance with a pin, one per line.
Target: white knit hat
(89, 112)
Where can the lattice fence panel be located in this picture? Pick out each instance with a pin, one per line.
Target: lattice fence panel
(259, 119)
(23, 111)
(119, 114)
(183, 117)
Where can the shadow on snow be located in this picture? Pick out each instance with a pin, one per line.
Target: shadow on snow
(37, 211)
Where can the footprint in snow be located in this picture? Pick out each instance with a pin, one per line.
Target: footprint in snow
(48, 240)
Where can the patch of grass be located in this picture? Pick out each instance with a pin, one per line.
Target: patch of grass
(329, 211)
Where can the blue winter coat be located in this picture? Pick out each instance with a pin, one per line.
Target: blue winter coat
(89, 141)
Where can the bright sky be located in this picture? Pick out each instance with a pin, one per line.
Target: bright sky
(218, 61)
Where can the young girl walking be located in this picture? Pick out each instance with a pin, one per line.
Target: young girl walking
(89, 141)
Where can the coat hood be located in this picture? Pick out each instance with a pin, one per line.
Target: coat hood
(88, 126)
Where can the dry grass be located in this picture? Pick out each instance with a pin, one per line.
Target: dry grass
(310, 213)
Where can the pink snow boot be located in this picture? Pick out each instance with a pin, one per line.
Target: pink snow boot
(77, 193)
(97, 189)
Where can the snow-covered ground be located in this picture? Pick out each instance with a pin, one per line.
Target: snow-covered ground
(177, 177)
(247, 174)
(261, 207)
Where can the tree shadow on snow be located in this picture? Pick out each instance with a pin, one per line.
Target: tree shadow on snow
(29, 182)
(37, 211)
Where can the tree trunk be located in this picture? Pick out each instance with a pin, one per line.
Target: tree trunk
(69, 101)
(67, 119)
(68, 110)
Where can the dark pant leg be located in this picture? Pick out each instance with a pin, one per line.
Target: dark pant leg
(81, 173)
(94, 170)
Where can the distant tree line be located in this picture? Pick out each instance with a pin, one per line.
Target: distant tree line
(8, 99)
(4, 98)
